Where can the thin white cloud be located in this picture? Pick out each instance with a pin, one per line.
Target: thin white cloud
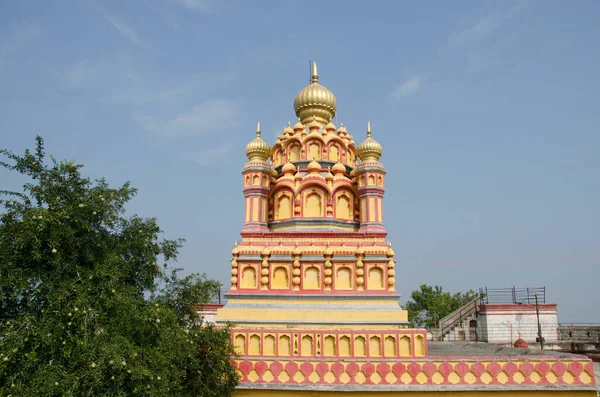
(205, 118)
(201, 6)
(127, 32)
(213, 156)
(487, 25)
(408, 87)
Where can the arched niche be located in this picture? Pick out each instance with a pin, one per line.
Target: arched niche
(254, 345)
(281, 279)
(419, 345)
(248, 277)
(285, 347)
(307, 348)
(269, 345)
(247, 180)
(343, 206)
(375, 346)
(293, 153)
(240, 344)
(329, 346)
(312, 278)
(334, 153)
(376, 278)
(256, 180)
(360, 346)
(283, 206)
(405, 346)
(313, 204)
(343, 278)
(276, 157)
(345, 348)
(313, 150)
(372, 180)
(389, 346)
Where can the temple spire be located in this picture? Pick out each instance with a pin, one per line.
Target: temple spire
(315, 73)
(258, 129)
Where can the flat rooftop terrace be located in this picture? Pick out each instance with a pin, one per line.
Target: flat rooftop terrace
(482, 349)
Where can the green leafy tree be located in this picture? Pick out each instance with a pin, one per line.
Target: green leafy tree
(86, 309)
(429, 304)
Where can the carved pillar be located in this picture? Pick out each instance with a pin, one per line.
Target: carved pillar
(264, 272)
(328, 254)
(296, 254)
(360, 265)
(234, 266)
(391, 265)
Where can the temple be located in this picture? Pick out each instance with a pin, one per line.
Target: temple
(312, 294)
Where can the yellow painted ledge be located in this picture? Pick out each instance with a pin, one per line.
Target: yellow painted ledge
(508, 393)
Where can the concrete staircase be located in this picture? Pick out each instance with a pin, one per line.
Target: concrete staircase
(463, 331)
(457, 326)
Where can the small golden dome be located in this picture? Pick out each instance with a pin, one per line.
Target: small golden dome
(274, 173)
(369, 149)
(298, 126)
(235, 249)
(266, 251)
(359, 249)
(288, 168)
(342, 129)
(315, 100)
(288, 129)
(330, 127)
(328, 251)
(352, 173)
(297, 251)
(258, 149)
(339, 168)
(390, 252)
(298, 176)
(329, 175)
(314, 166)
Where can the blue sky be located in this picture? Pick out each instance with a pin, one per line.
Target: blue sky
(487, 112)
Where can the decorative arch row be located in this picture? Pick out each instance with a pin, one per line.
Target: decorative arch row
(314, 201)
(294, 149)
(311, 276)
(392, 344)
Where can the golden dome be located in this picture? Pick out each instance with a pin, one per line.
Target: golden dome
(330, 127)
(369, 149)
(235, 249)
(342, 130)
(339, 167)
(315, 100)
(288, 168)
(258, 149)
(314, 166)
(274, 173)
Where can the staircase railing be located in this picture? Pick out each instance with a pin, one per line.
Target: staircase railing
(451, 320)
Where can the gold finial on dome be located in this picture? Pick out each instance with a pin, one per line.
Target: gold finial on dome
(258, 149)
(315, 100)
(315, 73)
(369, 149)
